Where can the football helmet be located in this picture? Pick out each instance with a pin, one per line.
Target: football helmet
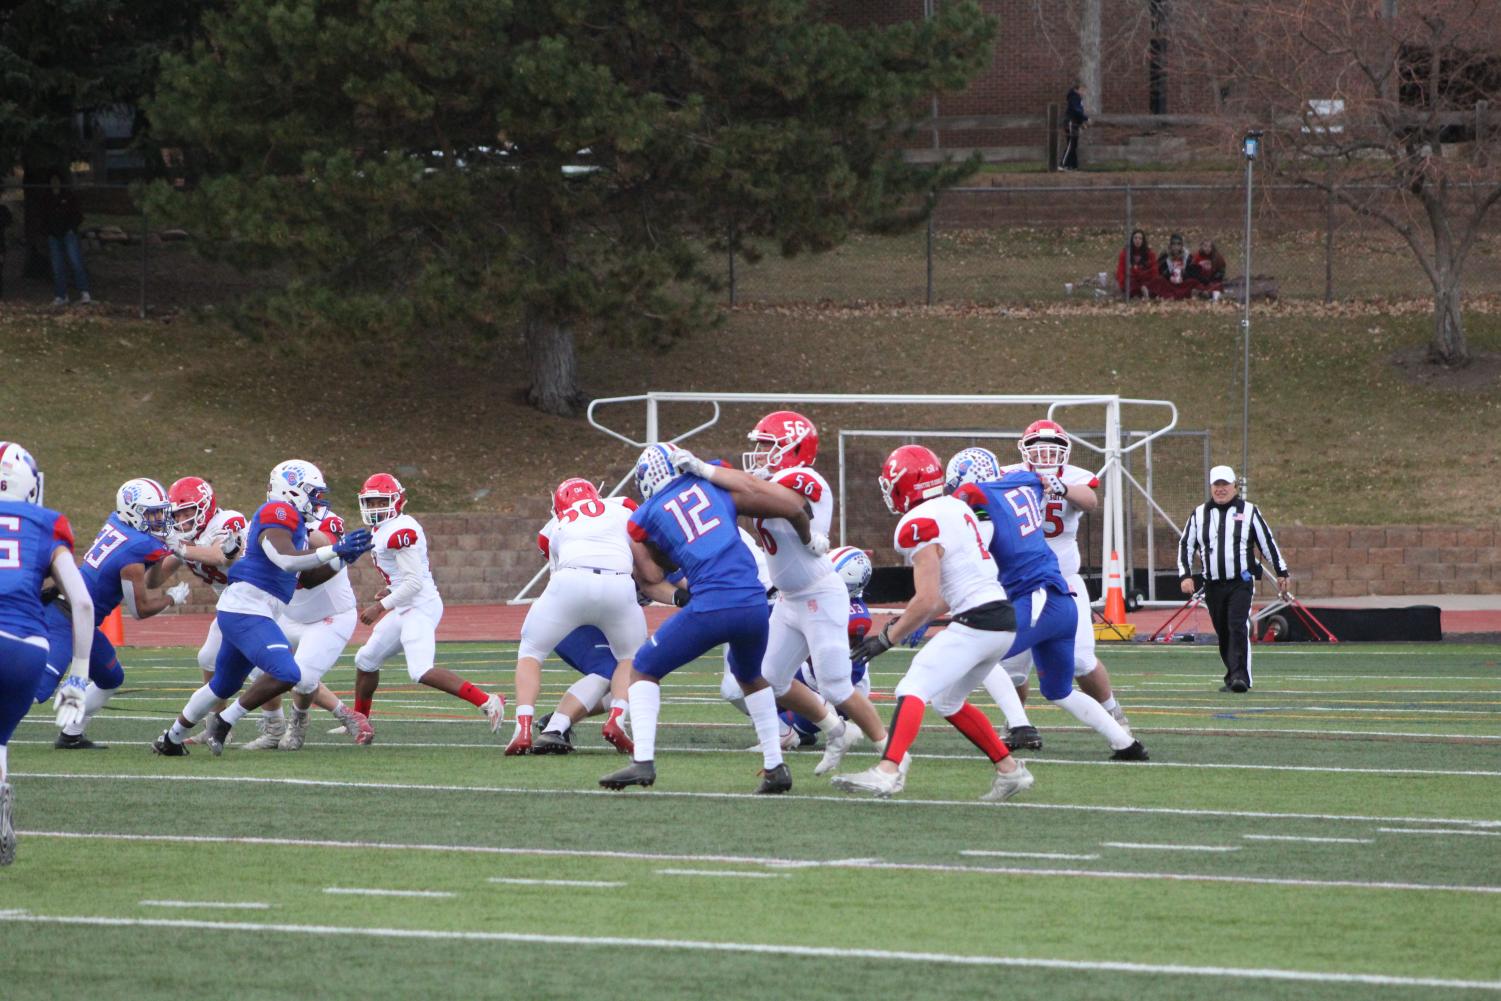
(570, 492)
(910, 475)
(970, 465)
(193, 506)
(298, 483)
(853, 567)
(142, 504)
(654, 470)
(20, 480)
(1045, 444)
(381, 499)
(780, 440)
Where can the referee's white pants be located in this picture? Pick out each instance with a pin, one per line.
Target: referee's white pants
(579, 597)
(952, 664)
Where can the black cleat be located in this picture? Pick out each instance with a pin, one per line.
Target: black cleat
(637, 773)
(775, 782)
(216, 734)
(167, 747)
(549, 742)
(1023, 737)
(1239, 687)
(76, 742)
(1133, 753)
(1224, 688)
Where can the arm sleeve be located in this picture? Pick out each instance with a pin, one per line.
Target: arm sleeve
(1186, 544)
(1267, 544)
(409, 578)
(80, 603)
(298, 562)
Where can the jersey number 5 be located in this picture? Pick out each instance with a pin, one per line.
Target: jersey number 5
(691, 519)
(588, 509)
(10, 549)
(1028, 515)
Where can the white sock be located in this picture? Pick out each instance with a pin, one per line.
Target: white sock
(832, 722)
(1087, 710)
(233, 712)
(526, 711)
(277, 713)
(559, 723)
(4, 761)
(200, 703)
(178, 732)
(762, 707)
(1110, 705)
(998, 684)
(624, 705)
(646, 704)
(299, 713)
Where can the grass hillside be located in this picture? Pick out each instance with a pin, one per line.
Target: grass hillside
(1342, 432)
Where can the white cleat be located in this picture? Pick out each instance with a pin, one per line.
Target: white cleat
(872, 781)
(1008, 784)
(7, 825)
(901, 770)
(272, 730)
(296, 733)
(495, 711)
(835, 747)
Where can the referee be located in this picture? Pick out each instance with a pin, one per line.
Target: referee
(1222, 531)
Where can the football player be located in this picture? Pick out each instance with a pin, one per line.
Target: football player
(120, 568)
(951, 570)
(589, 559)
(409, 608)
(261, 582)
(588, 652)
(854, 568)
(686, 520)
(34, 543)
(809, 619)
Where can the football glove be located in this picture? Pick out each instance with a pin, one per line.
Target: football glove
(871, 646)
(178, 593)
(354, 545)
(1053, 484)
(685, 461)
(69, 700)
(681, 597)
(817, 544)
(230, 544)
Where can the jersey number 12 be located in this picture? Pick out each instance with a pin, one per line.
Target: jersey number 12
(688, 508)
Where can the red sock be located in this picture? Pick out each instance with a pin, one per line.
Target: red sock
(905, 723)
(365, 706)
(974, 724)
(473, 695)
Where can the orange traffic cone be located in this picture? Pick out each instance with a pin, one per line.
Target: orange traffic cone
(1115, 596)
(113, 627)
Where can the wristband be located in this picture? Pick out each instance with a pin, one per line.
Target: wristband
(326, 554)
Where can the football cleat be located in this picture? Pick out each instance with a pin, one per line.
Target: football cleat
(494, 710)
(272, 729)
(552, 742)
(1023, 737)
(7, 825)
(836, 745)
(167, 747)
(197, 738)
(521, 740)
(775, 782)
(637, 773)
(296, 733)
(1008, 784)
(216, 735)
(1239, 687)
(901, 772)
(76, 742)
(872, 781)
(616, 736)
(1133, 753)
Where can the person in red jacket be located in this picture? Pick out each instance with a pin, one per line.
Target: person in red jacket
(1143, 264)
(1210, 265)
(1176, 276)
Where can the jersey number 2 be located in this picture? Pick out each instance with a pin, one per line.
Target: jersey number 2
(691, 520)
(10, 549)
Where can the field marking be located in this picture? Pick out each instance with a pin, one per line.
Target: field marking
(875, 865)
(602, 884)
(1151, 846)
(1056, 856)
(1320, 841)
(729, 873)
(778, 949)
(1172, 811)
(371, 891)
(233, 905)
(1433, 830)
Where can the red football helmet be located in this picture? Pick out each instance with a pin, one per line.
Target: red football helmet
(1045, 444)
(782, 439)
(193, 506)
(570, 492)
(381, 499)
(911, 475)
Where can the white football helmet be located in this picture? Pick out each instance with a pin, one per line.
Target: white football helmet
(143, 505)
(298, 483)
(853, 567)
(654, 470)
(20, 480)
(970, 465)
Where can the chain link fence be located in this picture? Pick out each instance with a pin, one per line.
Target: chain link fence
(1035, 245)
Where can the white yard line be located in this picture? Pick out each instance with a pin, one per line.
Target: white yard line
(370, 891)
(1055, 856)
(730, 873)
(602, 884)
(1433, 830)
(780, 949)
(874, 865)
(1320, 841)
(232, 905)
(1149, 846)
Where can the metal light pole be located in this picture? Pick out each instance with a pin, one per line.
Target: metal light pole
(1250, 145)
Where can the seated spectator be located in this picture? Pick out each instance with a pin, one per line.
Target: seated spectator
(1143, 264)
(1176, 278)
(1210, 265)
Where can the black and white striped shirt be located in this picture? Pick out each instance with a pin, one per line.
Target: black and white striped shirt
(1222, 536)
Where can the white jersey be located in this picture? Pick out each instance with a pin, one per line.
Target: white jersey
(967, 572)
(763, 573)
(1060, 519)
(793, 568)
(590, 535)
(334, 596)
(400, 556)
(224, 522)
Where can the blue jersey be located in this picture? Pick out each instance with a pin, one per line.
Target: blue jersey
(255, 567)
(29, 535)
(116, 547)
(693, 522)
(1023, 558)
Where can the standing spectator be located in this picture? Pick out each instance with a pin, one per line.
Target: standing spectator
(1222, 531)
(61, 217)
(1176, 277)
(1141, 261)
(1074, 120)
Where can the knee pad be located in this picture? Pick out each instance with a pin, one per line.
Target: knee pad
(590, 690)
(364, 661)
(1018, 677)
(206, 657)
(416, 671)
(837, 690)
(949, 702)
(908, 686)
(307, 684)
(1084, 667)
